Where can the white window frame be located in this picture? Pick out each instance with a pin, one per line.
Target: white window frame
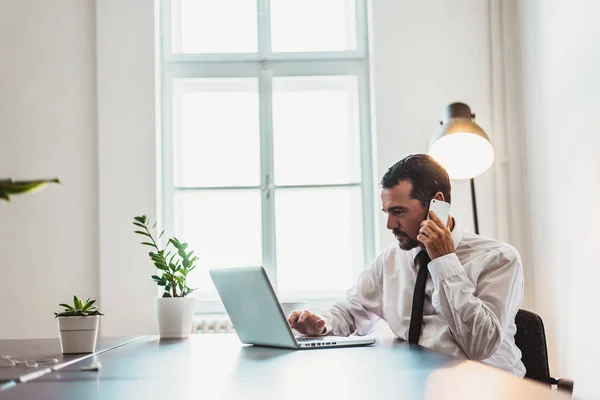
(265, 65)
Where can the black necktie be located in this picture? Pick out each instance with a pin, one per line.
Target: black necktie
(416, 316)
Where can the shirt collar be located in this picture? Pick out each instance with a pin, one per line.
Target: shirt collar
(457, 233)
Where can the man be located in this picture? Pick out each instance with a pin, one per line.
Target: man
(473, 286)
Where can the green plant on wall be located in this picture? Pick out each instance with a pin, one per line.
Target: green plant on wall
(8, 187)
(174, 265)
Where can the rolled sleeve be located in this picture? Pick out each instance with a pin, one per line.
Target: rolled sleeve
(445, 267)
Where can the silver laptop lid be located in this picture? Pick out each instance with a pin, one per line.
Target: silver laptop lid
(253, 307)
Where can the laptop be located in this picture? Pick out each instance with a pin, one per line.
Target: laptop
(257, 316)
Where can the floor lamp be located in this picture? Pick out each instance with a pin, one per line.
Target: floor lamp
(463, 148)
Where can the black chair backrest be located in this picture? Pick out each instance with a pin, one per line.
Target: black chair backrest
(531, 340)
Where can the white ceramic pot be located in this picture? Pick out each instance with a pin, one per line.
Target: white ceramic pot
(78, 334)
(175, 316)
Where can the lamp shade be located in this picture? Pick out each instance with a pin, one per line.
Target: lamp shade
(461, 146)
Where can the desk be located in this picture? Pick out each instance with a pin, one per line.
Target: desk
(219, 367)
(42, 349)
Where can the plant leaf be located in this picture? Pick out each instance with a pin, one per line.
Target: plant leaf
(140, 225)
(157, 257)
(148, 244)
(166, 294)
(142, 233)
(161, 267)
(89, 303)
(77, 302)
(176, 243)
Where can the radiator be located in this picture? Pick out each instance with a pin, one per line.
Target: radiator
(212, 323)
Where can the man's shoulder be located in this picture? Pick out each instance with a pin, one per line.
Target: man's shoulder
(485, 246)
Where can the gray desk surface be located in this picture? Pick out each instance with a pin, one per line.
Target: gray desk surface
(219, 367)
(43, 349)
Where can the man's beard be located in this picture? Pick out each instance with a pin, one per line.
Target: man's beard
(409, 244)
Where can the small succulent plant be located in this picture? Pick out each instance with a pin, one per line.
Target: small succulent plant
(79, 308)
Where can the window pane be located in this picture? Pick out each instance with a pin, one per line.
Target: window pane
(223, 227)
(214, 26)
(316, 130)
(216, 132)
(319, 239)
(313, 25)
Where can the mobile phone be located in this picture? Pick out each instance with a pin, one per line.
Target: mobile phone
(441, 208)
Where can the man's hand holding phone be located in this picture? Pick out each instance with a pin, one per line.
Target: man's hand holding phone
(306, 322)
(434, 232)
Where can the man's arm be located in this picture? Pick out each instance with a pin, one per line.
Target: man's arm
(362, 302)
(478, 315)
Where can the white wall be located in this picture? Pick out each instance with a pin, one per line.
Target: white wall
(128, 162)
(48, 240)
(429, 54)
(426, 55)
(561, 61)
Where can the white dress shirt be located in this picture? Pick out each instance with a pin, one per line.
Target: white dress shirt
(471, 299)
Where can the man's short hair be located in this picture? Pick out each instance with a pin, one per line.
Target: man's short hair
(426, 175)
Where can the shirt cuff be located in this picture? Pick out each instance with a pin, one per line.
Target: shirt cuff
(328, 327)
(444, 267)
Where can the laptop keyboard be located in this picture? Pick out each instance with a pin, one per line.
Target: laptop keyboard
(315, 341)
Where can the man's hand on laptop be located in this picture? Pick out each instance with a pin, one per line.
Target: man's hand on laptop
(306, 323)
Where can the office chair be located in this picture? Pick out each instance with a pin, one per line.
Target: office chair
(531, 340)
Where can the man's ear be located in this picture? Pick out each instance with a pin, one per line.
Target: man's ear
(439, 196)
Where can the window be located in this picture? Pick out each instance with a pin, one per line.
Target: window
(266, 140)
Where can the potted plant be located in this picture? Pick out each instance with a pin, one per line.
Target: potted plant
(174, 310)
(78, 326)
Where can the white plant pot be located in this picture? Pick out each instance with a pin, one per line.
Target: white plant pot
(78, 334)
(175, 316)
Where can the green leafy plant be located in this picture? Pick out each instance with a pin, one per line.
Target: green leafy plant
(175, 264)
(9, 187)
(79, 308)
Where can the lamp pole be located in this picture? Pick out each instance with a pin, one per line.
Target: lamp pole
(474, 204)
